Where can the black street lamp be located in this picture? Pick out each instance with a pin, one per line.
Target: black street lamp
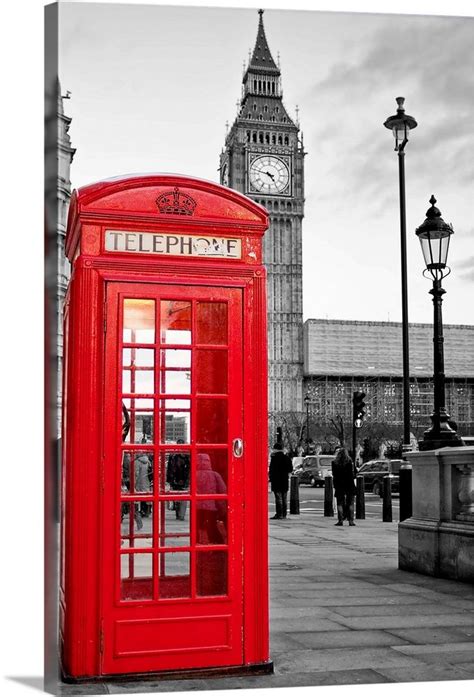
(306, 402)
(401, 124)
(434, 235)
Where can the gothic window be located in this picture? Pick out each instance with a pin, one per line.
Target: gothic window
(260, 118)
(280, 140)
(260, 137)
(254, 107)
(248, 136)
(255, 85)
(273, 135)
(267, 138)
(259, 85)
(265, 108)
(286, 140)
(254, 137)
(288, 206)
(273, 88)
(273, 119)
(277, 110)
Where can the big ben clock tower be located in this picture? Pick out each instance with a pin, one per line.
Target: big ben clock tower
(263, 158)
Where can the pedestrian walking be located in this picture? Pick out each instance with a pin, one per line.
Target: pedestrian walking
(343, 475)
(279, 471)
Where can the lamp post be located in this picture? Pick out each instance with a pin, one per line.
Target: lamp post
(401, 124)
(306, 402)
(434, 235)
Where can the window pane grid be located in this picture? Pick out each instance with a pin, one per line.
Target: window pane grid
(171, 562)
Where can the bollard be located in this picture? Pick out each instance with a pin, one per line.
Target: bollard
(328, 497)
(360, 497)
(387, 500)
(405, 495)
(294, 494)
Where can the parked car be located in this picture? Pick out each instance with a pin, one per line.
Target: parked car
(313, 469)
(375, 470)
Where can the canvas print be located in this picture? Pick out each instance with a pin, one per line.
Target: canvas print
(260, 416)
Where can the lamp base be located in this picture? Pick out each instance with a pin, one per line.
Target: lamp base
(440, 438)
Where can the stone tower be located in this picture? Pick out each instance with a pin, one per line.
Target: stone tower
(58, 157)
(263, 158)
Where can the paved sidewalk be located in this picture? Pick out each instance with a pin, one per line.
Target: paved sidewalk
(342, 613)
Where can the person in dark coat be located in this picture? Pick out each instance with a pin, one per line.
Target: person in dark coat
(280, 469)
(343, 475)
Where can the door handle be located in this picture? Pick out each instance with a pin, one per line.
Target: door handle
(238, 447)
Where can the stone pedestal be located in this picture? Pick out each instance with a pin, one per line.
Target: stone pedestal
(438, 539)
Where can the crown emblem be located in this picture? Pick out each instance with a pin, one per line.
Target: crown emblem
(176, 203)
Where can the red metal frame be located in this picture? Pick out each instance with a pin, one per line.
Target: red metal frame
(94, 621)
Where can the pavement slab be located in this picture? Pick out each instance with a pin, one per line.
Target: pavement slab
(408, 620)
(392, 610)
(425, 673)
(435, 635)
(341, 659)
(344, 639)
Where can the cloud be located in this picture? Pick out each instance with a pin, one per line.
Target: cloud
(431, 60)
(466, 264)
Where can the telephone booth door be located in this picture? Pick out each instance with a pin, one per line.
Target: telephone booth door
(172, 484)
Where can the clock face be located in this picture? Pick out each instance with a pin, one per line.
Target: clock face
(269, 174)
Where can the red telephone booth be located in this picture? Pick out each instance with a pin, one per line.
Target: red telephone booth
(164, 488)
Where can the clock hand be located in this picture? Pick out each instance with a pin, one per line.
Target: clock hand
(270, 175)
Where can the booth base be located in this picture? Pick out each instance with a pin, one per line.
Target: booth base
(203, 673)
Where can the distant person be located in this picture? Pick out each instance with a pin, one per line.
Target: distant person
(343, 474)
(211, 513)
(177, 476)
(280, 469)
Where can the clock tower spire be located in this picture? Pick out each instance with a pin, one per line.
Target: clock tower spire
(263, 158)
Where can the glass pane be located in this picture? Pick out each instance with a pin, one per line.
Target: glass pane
(211, 522)
(175, 358)
(138, 381)
(175, 427)
(211, 424)
(176, 469)
(211, 573)
(137, 468)
(138, 403)
(175, 322)
(175, 523)
(141, 427)
(138, 357)
(211, 475)
(175, 579)
(139, 321)
(136, 573)
(211, 323)
(211, 371)
(175, 404)
(176, 382)
(144, 381)
(136, 530)
(126, 381)
(137, 420)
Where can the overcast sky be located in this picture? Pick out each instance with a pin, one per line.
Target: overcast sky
(152, 87)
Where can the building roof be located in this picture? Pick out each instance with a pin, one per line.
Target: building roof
(350, 348)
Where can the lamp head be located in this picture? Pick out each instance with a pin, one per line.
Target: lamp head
(400, 125)
(434, 235)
